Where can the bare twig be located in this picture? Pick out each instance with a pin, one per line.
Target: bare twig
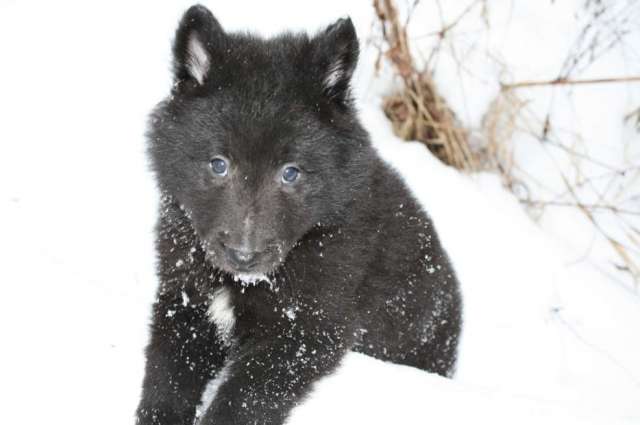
(604, 192)
(565, 81)
(592, 207)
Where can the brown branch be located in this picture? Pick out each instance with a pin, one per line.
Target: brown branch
(632, 268)
(446, 28)
(565, 81)
(594, 207)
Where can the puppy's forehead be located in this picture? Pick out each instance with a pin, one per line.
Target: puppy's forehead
(264, 135)
(282, 53)
(263, 70)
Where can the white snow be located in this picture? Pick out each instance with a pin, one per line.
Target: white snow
(185, 298)
(369, 391)
(291, 312)
(251, 278)
(546, 339)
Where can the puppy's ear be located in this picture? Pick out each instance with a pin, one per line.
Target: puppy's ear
(337, 57)
(197, 39)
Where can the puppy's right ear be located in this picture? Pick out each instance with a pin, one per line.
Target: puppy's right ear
(197, 38)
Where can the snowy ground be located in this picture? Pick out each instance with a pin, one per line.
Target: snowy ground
(543, 342)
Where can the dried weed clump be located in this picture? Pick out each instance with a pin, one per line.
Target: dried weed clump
(605, 194)
(417, 111)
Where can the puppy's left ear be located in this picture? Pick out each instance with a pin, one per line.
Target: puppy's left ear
(198, 37)
(337, 57)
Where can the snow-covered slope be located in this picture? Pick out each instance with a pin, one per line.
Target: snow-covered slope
(542, 342)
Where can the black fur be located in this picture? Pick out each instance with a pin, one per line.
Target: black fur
(353, 263)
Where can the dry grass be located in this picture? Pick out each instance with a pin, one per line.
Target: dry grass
(499, 124)
(418, 112)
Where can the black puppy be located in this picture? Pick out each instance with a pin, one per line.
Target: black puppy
(284, 241)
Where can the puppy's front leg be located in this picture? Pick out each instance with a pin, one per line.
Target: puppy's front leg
(182, 355)
(269, 375)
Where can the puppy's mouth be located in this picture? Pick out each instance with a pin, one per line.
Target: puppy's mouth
(245, 266)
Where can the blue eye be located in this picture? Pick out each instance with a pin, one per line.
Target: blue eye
(290, 174)
(219, 166)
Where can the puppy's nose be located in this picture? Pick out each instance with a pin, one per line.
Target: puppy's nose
(241, 257)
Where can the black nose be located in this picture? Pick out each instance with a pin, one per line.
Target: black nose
(242, 258)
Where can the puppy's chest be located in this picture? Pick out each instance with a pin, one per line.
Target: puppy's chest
(235, 313)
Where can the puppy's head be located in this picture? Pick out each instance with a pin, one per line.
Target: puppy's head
(258, 140)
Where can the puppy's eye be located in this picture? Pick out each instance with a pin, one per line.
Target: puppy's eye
(219, 166)
(290, 174)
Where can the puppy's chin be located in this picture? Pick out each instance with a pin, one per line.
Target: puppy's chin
(251, 279)
(261, 273)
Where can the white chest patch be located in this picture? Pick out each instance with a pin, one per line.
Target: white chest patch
(221, 313)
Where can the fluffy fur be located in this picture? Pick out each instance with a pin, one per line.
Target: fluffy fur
(343, 258)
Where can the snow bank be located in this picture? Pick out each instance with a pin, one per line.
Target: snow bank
(369, 391)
